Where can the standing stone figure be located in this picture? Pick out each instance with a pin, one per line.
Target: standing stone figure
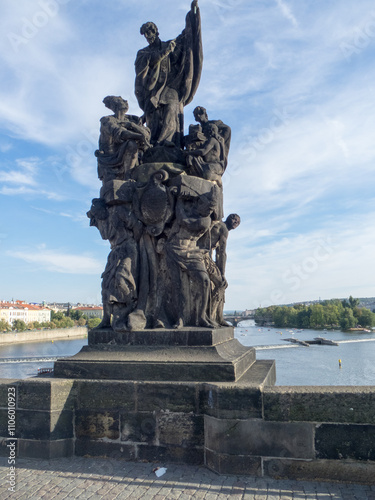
(200, 115)
(185, 259)
(216, 241)
(119, 280)
(207, 161)
(121, 137)
(167, 77)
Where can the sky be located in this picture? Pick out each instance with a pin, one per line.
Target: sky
(294, 79)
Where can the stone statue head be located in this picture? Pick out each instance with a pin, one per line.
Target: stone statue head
(150, 31)
(233, 221)
(99, 217)
(200, 114)
(115, 103)
(98, 211)
(212, 130)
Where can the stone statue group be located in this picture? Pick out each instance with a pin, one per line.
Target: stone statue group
(161, 201)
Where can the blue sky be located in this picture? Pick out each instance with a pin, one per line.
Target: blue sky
(295, 79)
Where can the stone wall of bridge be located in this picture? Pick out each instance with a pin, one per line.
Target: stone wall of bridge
(252, 427)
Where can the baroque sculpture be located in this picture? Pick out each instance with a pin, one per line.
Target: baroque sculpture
(161, 202)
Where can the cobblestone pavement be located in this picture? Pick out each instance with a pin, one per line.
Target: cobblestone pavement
(96, 479)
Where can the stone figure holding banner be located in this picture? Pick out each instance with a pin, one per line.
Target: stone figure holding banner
(161, 200)
(167, 77)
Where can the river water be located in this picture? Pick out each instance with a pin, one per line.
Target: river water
(295, 364)
(317, 364)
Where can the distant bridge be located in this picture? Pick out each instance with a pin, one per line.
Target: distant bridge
(235, 320)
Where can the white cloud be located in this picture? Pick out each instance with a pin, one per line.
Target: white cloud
(286, 11)
(292, 185)
(330, 262)
(58, 261)
(25, 175)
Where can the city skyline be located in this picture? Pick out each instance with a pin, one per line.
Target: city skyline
(293, 80)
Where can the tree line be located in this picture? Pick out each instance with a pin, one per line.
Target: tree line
(344, 314)
(66, 319)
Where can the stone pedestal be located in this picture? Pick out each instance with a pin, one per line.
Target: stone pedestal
(145, 395)
(188, 354)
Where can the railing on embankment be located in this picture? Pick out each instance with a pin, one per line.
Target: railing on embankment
(40, 335)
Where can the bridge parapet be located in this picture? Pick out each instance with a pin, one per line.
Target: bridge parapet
(235, 319)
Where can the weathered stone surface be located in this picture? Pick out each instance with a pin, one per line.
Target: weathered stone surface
(346, 471)
(259, 438)
(112, 450)
(4, 423)
(43, 425)
(175, 397)
(180, 429)
(345, 441)
(30, 448)
(242, 399)
(176, 454)
(231, 401)
(46, 394)
(233, 464)
(5, 384)
(97, 425)
(320, 404)
(192, 336)
(138, 427)
(105, 394)
(4, 450)
(227, 361)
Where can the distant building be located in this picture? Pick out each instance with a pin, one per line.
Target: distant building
(90, 311)
(29, 313)
(58, 306)
(248, 312)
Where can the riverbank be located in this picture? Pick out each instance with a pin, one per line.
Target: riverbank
(41, 335)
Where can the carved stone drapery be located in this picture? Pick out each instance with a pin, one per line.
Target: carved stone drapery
(161, 201)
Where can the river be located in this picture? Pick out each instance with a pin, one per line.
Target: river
(295, 364)
(317, 364)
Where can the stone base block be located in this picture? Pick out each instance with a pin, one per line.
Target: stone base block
(31, 448)
(254, 437)
(140, 452)
(233, 464)
(192, 336)
(194, 354)
(320, 470)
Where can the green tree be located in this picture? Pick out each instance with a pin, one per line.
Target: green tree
(366, 318)
(317, 318)
(4, 326)
(332, 315)
(75, 314)
(93, 322)
(280, 317)
(81, 322)
(58, 316)
(303, 317)
(353, 302)
(347, 319)
(19, 325)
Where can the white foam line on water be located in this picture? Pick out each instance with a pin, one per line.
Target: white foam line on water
(277, 346)
(356, 340)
